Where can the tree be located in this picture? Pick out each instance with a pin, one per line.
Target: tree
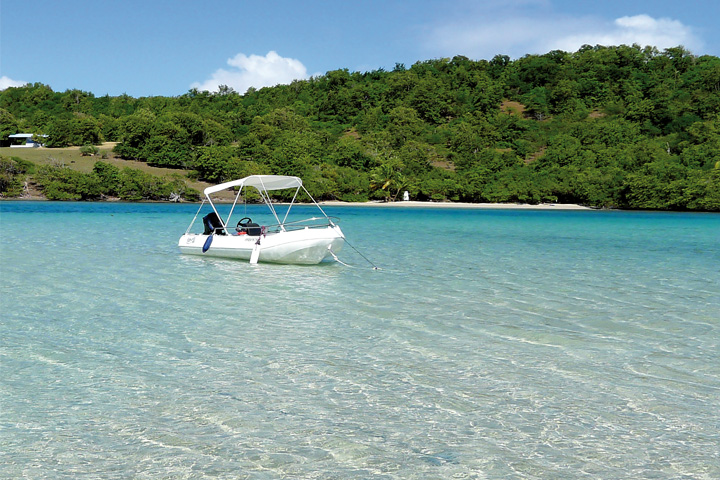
(13, 172)
(404, 124)
(8, 125)
(388, 179)
(349, 152)
(134, 129)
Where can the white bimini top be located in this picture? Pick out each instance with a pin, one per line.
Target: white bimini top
(261, 182)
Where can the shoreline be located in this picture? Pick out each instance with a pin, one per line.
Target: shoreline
(417, 204)
(338, 203)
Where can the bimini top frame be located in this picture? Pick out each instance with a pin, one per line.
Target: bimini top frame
(263, 184)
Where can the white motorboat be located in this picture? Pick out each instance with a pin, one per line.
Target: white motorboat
(306, 241)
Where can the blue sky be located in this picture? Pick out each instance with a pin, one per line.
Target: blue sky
(153, 47)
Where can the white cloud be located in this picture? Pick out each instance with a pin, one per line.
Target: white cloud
(641, 29)
(485, 40)
(518, 35)
(254, 71)
(6, 82)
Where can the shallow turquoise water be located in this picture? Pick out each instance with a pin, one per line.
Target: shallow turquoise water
(492, 344)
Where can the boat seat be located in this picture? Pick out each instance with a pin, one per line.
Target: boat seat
(253, 229)
(247, 226)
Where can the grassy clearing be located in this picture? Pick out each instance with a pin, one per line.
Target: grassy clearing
(71, 158)
(55, 156)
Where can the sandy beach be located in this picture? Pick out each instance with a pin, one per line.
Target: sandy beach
(402, 204)
(410, 203)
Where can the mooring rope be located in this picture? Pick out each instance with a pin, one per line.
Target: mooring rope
(338, 260)
(375, 267)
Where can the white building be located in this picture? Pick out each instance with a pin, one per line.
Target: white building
(29, 142)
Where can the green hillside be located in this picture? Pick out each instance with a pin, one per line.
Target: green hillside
(624, 127)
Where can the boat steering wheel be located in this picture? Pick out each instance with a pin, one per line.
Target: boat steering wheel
(243, 224)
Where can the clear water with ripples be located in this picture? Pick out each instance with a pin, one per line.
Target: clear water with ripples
(492, 344)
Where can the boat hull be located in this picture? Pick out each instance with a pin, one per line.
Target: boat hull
(307, 246)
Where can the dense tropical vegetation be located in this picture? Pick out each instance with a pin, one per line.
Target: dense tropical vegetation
(624, 126)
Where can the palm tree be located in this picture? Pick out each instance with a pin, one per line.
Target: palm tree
(388, 178)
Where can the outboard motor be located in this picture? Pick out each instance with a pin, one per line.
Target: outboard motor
(212, 224)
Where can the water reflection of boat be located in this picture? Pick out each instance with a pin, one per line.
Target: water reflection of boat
(305, 241)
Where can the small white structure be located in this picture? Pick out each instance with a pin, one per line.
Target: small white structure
(28, 137)
(406, 196)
